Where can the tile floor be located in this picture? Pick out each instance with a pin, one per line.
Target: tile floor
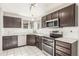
(23, 51)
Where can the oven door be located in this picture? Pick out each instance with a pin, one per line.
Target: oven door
(48, 42)
(47, 49)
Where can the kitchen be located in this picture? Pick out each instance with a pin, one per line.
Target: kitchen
(54, 32)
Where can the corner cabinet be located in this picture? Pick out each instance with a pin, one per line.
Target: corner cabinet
(67, 16)
(34, 40)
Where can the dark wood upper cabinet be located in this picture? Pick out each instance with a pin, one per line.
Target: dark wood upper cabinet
(48, 17)
(44, 22)
(11, 22)
(67, 16)
(54, 15)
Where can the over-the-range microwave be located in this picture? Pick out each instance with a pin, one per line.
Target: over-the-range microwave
(52, 23)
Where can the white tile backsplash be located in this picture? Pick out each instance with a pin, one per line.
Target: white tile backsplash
(16, 31)
(47, 31)
(68, 32)
(71, 32)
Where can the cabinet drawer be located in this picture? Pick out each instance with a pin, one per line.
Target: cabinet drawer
(63, 49)
(61, 53)
(63, 44)
(48, 49)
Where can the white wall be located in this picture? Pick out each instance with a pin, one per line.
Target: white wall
(1, 25)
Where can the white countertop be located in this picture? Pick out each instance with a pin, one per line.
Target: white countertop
(40, 34)
(68, 40)
(19, 34)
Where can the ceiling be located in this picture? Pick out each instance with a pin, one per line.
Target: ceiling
(23, 8)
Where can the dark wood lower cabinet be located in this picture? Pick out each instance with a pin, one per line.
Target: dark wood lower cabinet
(38, 42)
(34, 40)
(60, 48)
(31, 40)
(39, 45)
(10, 42)
(65, 48)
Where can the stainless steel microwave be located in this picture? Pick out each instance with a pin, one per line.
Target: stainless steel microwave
(52, 23)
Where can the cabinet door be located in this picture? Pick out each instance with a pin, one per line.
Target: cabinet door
(17, 23)
(54, 15)
(48, 17)
(6, 41)
(44, 22)
(67, 16)
(22, 40)
(11, 22)
(31, 40)
(38, 42)
(7, 22)
(40, 46)
(14, 42)
(9, 42)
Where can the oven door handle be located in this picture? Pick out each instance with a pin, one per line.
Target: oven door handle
(47, 39)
